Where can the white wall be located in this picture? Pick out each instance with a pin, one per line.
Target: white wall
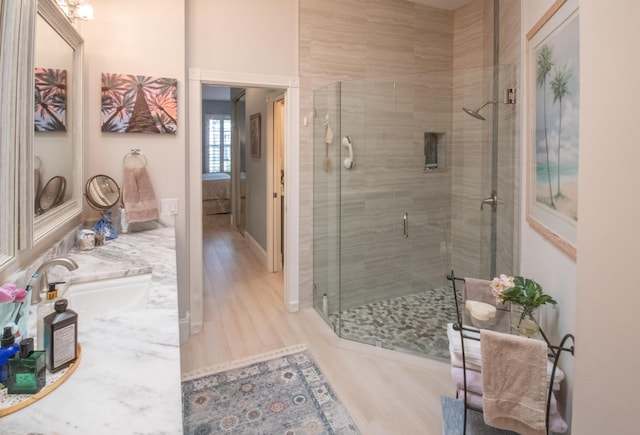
(607, 354)
(145, 37)
(540, 260)
(249, 36)
(597, 298)
(256, 183)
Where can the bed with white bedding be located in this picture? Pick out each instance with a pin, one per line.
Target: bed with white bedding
(216, 192)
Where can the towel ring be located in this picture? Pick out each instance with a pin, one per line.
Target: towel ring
(134, 155)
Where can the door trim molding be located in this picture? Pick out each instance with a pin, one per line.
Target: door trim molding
(291, 86)
(273, 233)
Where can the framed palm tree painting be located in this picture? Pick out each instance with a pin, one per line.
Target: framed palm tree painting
(139, 104)
(50, 100)
(553, 81)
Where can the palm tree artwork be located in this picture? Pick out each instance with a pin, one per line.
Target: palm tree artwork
(560, 88)
(139, 104)
(544, 65)
(557, 107)
(50, 100)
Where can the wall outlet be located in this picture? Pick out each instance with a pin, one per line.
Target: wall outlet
(169, 207)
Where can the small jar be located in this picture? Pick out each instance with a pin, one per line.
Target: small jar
(99, 238)
(86, 240)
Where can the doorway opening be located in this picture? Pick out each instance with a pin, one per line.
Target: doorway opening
(258, 92)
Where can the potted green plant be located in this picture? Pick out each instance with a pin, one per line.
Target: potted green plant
(526, 296)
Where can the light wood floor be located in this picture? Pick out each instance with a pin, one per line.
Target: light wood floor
(386, 392)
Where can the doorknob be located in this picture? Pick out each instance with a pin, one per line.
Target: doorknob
(491, 200)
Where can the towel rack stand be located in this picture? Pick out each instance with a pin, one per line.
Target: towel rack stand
(555, 351)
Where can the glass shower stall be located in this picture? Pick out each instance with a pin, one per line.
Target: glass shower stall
(407, 187)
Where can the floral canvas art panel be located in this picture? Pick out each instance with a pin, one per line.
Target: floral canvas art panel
(139, 104)
(50, 100)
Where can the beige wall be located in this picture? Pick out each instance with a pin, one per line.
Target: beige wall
(595, 300)
(145, 37)
(541, 260)
(365, 39)
(607, 298)
(243, 36)
(472, 139)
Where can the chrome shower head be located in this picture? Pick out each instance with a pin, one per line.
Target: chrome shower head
(476, 113)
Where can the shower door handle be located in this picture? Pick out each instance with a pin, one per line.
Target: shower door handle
(405, 220)
(491, 200)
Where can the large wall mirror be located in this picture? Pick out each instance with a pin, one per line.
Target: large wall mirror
(16, 28)
(55, 188)
(37, 34)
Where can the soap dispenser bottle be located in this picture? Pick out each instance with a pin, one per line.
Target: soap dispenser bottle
(44, 309)
(60, 336)
(8, 348)
(27, 370)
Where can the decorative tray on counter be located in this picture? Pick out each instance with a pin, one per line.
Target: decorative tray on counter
(10, 403)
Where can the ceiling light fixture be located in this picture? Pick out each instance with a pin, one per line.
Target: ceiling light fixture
(76, 9)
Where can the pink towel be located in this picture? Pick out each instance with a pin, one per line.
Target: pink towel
(138, 197)
(514, 380)
(556, 422)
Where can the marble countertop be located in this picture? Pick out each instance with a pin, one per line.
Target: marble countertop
(128, 380)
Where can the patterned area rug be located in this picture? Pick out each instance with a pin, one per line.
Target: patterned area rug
(278, 393)
(416, 323)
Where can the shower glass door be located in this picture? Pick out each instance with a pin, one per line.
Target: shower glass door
(389, 229)
(395, 212)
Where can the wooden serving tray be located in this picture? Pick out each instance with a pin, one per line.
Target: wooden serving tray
(15, 402)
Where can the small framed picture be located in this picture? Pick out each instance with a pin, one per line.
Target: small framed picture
(255, 136)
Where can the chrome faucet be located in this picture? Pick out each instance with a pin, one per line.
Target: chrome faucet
(42, 284)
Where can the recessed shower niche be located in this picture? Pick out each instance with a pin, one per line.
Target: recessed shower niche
(434, 151)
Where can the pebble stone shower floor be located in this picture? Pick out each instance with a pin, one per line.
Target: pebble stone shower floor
(415, 323)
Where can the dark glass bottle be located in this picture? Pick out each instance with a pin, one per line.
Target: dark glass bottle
(60, 336)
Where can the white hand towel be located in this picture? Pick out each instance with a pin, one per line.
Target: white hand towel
(514, 381)
(474, 360)
(556, 422)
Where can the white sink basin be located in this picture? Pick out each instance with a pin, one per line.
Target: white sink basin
(108, 296)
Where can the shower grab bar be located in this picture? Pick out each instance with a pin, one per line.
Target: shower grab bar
(405, 218)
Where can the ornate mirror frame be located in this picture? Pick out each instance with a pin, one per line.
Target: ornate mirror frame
(16, 27)
(34, 229)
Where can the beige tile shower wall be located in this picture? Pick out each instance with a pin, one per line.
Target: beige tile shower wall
(373, 38)
(473, 50)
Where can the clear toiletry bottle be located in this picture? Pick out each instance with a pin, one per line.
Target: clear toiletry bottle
(44, 309)
(60, 336)
(8, 348)
(27, 374)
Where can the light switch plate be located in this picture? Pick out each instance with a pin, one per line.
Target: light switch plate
(169, 207)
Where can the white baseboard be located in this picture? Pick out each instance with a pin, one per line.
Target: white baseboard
(293, 307)
(183, 328)
(256, 248)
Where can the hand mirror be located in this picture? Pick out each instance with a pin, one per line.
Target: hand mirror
(102, 192)
(51, 194)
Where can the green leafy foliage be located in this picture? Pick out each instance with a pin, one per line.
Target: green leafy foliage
(526, 292)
